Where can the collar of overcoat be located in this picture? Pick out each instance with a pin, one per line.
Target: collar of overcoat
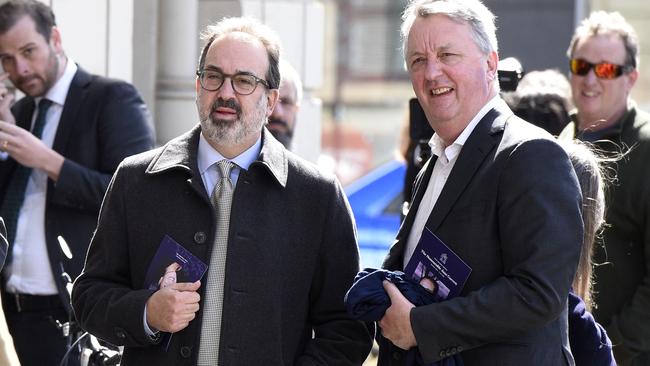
(180, 153)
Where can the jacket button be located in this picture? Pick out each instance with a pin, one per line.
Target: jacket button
(186, 351)
(120, 333)
(200, 237)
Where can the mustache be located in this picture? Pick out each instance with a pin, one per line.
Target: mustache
(229, 103)
(25, 79)
(277, 121)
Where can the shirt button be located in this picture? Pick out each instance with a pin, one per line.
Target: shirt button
(200, 237)
(186, 351)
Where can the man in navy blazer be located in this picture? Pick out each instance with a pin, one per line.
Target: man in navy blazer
(499, 192)
(54, 170)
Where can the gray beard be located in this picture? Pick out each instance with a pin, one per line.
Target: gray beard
(233, 133)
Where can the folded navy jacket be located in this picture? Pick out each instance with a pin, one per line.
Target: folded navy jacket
(589, 342)
(368, 301)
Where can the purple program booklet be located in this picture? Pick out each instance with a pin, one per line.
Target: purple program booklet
(434, 260)
(172, 263)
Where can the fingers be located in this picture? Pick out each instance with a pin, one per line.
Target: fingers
(391, 290)
(186, 286)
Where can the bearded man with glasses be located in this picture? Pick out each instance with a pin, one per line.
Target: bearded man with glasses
(604, 62)
(276, 233)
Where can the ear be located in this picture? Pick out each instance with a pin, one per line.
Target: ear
(632, 78)
(272, 98)
(198, 86)
(55, 40)
(492, 63)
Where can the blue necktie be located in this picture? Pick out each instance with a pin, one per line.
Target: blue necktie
(15, 194)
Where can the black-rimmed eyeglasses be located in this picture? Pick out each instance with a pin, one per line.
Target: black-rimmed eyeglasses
(242, 83)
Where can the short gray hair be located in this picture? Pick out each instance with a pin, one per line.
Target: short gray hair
(256, 29)
(473, 12)
(606, 23)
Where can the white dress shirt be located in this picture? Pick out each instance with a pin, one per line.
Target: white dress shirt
(30, 271)
(447, 156)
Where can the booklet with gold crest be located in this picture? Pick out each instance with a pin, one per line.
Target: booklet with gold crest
(435, 261)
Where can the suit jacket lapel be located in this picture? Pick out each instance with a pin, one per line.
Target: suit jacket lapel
(395, 256)
(477, 147)
(69, 115)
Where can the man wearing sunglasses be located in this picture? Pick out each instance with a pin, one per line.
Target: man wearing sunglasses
(277, 235)
(604, 60)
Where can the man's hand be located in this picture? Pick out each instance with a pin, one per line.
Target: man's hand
(396, 323)
(172, 308)
(29, 151)
(6, 100)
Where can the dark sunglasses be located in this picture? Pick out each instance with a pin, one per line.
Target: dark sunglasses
(603, 70)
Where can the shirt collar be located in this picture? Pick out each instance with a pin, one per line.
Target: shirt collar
(208, 156)
(59, 91)
(450, 152)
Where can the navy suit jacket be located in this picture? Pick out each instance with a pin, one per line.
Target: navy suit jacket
(511, 210)
(103, 121)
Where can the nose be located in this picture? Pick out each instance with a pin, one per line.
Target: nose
(226, 91)
(591, 77)
(432, 70)
(277, 110)
(21, 66)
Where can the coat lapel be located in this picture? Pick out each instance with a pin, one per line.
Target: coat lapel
(477, 147)
(69, 115)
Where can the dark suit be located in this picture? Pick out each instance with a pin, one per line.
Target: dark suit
(511, 210)
(292, 255)
(102, 122)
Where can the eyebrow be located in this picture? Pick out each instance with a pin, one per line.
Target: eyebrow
(20, 49)
(218, 69)
(443, 48)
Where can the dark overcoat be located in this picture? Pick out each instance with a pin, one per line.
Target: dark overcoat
(291, 256)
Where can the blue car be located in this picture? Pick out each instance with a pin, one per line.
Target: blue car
(376, 201)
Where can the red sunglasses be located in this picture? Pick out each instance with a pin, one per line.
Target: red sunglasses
(603, 70)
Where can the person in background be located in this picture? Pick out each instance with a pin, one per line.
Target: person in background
(487, 193)
(604, 63)
(282, 122)
(277, 234)
(542, 98)
(59, 147)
